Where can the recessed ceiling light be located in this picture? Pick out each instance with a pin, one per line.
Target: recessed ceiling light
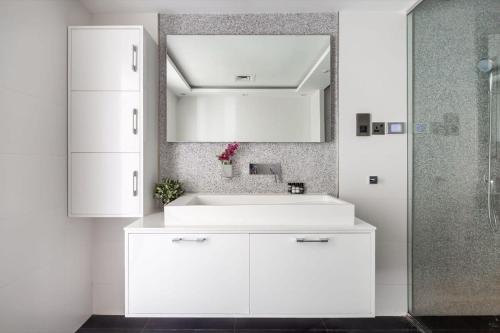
(244, 77)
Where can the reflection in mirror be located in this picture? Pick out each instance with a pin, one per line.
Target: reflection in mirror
(223, 88)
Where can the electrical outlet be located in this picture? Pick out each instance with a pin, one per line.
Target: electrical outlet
(378, 128)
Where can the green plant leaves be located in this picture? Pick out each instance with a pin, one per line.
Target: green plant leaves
(168, 190)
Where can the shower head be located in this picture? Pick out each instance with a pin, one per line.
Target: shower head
(485, 65)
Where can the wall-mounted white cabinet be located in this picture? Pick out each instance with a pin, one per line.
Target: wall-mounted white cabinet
(112, 121)
(248, 271)
(106, 58)
(111, 116)
(106, 184)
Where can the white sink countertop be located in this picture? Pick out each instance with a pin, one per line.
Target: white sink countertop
(155, 223)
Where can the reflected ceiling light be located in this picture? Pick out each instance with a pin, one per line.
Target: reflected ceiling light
(245, 77)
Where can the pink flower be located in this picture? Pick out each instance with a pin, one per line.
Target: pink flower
(229, 152)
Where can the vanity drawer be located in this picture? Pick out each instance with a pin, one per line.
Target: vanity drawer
(311, 274)
(187, 274)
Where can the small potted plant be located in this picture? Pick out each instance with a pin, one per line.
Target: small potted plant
(168, 190)
(226, 158)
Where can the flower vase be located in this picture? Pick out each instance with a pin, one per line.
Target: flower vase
(227, 169)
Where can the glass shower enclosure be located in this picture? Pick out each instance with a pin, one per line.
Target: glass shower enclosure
(454, 157)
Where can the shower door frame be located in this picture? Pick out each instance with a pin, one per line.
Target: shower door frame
(409, 210)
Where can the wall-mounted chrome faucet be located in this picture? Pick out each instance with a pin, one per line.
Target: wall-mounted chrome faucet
(267, 169)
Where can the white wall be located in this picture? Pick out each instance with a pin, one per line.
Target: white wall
(108, 270)
(45, 264)
(148, 20)
(372, 79)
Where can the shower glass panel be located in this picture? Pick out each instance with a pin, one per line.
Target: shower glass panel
(454, 251)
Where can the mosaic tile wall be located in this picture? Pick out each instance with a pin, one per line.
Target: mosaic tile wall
(195, 164)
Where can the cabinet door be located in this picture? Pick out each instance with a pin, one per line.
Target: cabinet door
(105, 121)
(330, 277)
(105, 184)
(105, 59)
(187, 274)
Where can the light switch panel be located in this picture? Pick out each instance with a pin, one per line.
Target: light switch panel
(395, 128)
(363, 124)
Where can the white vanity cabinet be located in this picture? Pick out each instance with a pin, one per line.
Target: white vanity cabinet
(196, 274)
(112, 121)
(249, 271)
(310, 274)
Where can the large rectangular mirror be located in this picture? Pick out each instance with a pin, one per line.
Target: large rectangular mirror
(247, 88)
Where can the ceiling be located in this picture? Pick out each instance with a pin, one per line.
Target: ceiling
(243, 6)
(214, 61)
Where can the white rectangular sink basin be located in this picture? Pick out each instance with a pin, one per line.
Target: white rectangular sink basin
(258, 209)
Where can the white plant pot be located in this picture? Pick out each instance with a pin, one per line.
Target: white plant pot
(227, 170)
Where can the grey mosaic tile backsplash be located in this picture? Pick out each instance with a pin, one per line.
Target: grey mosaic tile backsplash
(195, 164)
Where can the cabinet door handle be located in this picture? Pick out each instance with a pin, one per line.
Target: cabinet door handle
(312, 240)
(135, 176)
(134, 121)
(181, 239)
(134, 58)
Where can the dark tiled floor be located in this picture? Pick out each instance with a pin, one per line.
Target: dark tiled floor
(120, 324)
(457, 324)
(460, 324)
(378, 324)
(220, 324)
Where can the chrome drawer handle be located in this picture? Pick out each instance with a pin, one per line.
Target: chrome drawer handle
(135, 176)
(181, 239)
(134, 58)
(134, 121)
(312, 240)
